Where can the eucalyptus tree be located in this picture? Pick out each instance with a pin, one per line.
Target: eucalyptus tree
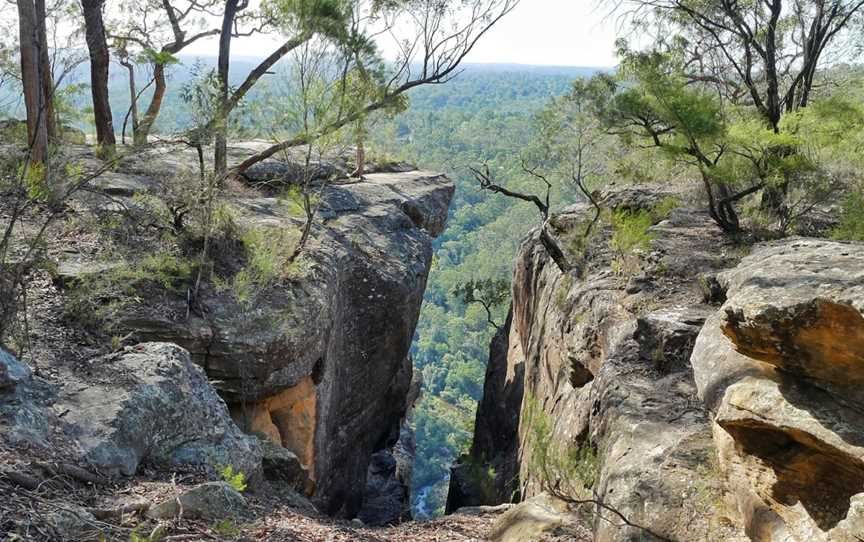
(97, 45)
(298, 21)
(35, 80)
(763, 53)
(431, 38)
(154, 32)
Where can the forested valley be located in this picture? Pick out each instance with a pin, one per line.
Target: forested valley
(370, 284)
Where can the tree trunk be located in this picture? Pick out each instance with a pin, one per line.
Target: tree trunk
(34, 98)
(146, 125)
(99, 59)
(133, 100)
(45, 71)
(360, 170)
(221, 124)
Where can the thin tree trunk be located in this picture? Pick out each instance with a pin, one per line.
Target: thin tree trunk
(221, 124)
(360, 170)
(146, 125)
(45, 69)
(99, 59)
(34, 99)
(133, 100)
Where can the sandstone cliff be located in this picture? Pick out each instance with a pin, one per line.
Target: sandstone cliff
(317, 368)
(752, 433)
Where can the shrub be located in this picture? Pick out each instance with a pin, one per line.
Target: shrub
(630, 237)
(851, 226)
(567, 470)
(235, 479)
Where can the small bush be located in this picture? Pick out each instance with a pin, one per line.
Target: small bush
(563, 291)
(237, 479)
(630, 238)
(226, 528)
(155, 536)
(96, 296)
(851, 226)
(564, 469)
(631, 231)
(664, 208)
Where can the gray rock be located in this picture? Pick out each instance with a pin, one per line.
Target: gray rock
(496, 434)
(275, 175)
(331, 340)
(281, 464)
(160, 408)
(24, 418)
(386, 498)
(72, 523)
(210, 501)
(12, 371)
(6, 382)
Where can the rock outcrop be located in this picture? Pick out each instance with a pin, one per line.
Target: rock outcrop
(320, 364)
(700, 421)
(780, 365)
(149, 404)
(604, 357)
(158, 406)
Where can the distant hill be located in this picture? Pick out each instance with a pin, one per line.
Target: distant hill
(476, 85)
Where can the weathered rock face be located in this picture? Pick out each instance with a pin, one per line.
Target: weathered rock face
(24, 417)
(387, 496)
(148, 403)
(320, 365)
(606, 358)
(780, 365)
(162, 410)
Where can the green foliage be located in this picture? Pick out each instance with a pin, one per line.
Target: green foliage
(482, 116)
(664, 208)
(630, 237)
(226, 527)
(562, 291)
(98, 294)
(266, 253)
(562, 468)
(235, 479)
(481, 478)
(155, 535)
(851, 226)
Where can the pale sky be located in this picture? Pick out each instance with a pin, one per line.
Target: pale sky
(541, 32)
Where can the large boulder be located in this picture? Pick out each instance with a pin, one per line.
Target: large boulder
(543, 518)
(780, 365)
(24, 417)
(153, 404)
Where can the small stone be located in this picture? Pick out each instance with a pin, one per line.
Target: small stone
(211, 501)
(73, 523)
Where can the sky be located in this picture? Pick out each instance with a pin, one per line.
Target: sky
(538, 32)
